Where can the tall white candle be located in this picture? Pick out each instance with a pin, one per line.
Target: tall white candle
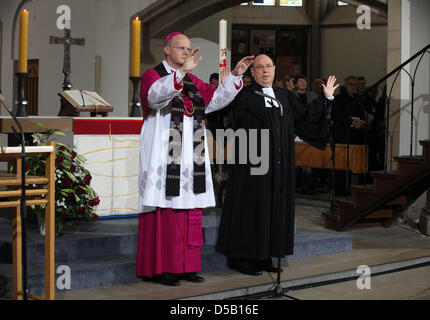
(222, 43)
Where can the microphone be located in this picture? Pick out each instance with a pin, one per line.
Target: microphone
(272, 98)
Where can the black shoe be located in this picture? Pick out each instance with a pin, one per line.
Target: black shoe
(189, 276)
(167, 279)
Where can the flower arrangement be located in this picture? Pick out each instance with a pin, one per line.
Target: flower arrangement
(75, 200)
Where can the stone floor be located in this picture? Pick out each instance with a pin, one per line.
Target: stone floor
(372, 247)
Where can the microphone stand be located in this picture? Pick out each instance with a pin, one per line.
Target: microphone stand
(363, 104)
(278, 291)
(23, 206)
(333, 169)
(347, 162)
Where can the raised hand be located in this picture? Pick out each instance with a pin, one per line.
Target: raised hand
(190, 63)
(330, 87)
(224, 72)
(243, 65)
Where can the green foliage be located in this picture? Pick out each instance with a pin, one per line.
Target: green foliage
(75, 200)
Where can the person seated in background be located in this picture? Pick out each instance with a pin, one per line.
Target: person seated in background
(289, 82)
(246, 80)
(320, 175)
(318, 89)
(361, 85)
(348, 125)
(301, 90)
(376, 139)
(305, 175)
(278, 83)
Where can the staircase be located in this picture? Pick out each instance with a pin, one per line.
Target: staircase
(389, 195)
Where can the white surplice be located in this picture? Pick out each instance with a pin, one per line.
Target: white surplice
(154, 140)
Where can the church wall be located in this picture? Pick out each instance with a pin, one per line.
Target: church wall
(205, 35)
(346, 50)
(105, 26)
(83, 25)
(418, 33)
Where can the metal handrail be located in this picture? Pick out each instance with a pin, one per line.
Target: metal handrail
(398, 70)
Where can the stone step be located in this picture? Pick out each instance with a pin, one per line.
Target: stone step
(106, 254)
(104, 238)
(114, 270)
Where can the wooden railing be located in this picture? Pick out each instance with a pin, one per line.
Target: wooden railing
(10, 198)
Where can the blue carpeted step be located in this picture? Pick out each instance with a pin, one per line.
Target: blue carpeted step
(87, 273)
(311, 243)
(104, 238)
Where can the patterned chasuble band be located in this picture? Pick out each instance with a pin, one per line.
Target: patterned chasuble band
(174, 155)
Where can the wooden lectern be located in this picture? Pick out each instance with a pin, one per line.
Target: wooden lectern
(73, 102)
(11, 199)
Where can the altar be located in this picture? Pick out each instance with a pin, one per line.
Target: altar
(111, 147)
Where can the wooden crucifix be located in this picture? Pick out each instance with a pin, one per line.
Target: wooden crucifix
(67, 41)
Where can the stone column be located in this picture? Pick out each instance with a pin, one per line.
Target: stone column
(315, 50)
(394, 59)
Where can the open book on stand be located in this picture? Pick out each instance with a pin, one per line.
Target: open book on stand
(75, 101)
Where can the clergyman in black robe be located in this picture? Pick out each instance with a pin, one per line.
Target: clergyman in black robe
(257, 221)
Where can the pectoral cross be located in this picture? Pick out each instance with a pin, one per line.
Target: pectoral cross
(67, 41)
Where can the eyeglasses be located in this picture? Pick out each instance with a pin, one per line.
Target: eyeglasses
(261, 67)
(182, 49)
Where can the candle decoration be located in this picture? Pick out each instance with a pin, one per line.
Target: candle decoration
(22, 73)
(135, 47)
(222, 43)
(23, 41)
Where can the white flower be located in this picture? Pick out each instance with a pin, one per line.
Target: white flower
(37, 138)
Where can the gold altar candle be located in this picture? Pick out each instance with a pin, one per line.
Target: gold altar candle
(135, 48)
(23, 41)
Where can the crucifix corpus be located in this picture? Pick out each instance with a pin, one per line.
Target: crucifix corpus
(67, 41)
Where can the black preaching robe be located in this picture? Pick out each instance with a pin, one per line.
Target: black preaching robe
(258, 214)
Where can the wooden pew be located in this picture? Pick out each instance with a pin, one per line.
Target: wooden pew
(308, 156)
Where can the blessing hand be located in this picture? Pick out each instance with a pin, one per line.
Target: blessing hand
(190, 63)
(243, 65)
(224, 72)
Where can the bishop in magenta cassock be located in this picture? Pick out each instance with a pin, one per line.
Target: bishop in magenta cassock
(175, 180)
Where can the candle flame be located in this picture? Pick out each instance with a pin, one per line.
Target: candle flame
(137, 18)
